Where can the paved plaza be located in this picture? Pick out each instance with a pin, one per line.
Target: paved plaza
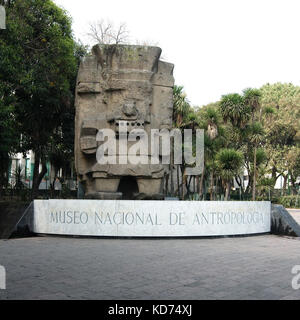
(295, 214)
(256, 267)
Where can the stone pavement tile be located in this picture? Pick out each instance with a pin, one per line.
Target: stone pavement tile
(250, 267)
(290, 297)
(220, 294)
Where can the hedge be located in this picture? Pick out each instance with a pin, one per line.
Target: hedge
(290, 201)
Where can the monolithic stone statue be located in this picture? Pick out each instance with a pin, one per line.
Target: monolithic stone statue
(117, 85)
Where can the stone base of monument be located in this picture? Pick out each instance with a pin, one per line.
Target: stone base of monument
(143, 196)
(104, 195)
(119, 196)
(127, 218)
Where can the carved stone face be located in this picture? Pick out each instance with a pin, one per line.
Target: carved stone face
(120, 86)
(131, 106)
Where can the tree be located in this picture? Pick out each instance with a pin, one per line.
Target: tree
(230, 163)
(293, 165)
(252, 99)
(210, 120)
(8, 137)
(39, 64)
(235, 110)
(61, 144)
(104, 32)
(181, 107)
(257, 135)
(280, 139)
(183, 117)
(263, 126)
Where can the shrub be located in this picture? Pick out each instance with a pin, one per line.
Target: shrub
(290, 201)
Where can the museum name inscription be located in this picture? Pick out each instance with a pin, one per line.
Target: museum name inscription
(141, 218)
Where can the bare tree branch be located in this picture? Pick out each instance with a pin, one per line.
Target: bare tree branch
(104, 32)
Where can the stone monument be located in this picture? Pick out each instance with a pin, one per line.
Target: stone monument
(121, 85)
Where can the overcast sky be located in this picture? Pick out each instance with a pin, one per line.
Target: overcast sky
(217, 46)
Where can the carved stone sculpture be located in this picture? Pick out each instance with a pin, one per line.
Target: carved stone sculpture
(119, 85)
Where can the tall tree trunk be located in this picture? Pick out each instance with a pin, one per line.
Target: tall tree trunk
(240, 182)
(285, 179)
(201, 182)
(249, 185)
(178, 181)
(294, 188)
(183, 183)
(52, 184)
(227, 193)
(211, 185)
(171, 180)
(274, 173)
(171, 169)
(167, 185)
(37, 175)
(254, 176)
(194, 184)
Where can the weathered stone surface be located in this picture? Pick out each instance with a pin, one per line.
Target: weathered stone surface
(117, 85)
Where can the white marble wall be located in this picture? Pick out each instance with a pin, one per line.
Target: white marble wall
(151, 218)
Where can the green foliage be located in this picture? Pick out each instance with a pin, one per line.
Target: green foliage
(280, 134)
(18, 178)
(194, 197)
(40, 35)
(38, 67)
(234, 109)
(229, 162)
(261, 156)
(256, 133)
(66, 192)
(182, 108)
(284, 98)
(252, 98)
(290, 201)
(269, 110)
(211, 115)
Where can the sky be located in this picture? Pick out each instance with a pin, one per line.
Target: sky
(217, 46)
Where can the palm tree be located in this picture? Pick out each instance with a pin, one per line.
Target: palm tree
(211, 118)
(183, 117)
(230, 163)
(257, 134)
(235, 110)
(181, 106)
(252, 100)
